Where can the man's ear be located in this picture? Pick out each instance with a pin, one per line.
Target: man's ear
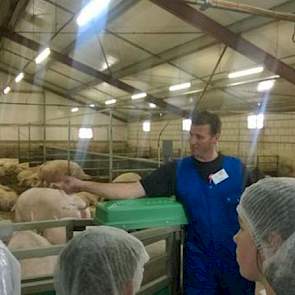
(216, 137)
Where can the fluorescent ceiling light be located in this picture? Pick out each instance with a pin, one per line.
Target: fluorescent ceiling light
(252, 81)
(237, 83)
(85, 133)
(42, 56)
(138, 95)
(6, 90)
(180, 86)
(110, 101)
(111, 60)
(152, 105)
(193, 91)
(146, 126)
(74, 110)
(265, 85)
(92, 105)
(245, 72)
(19, 77)
(186, 124)
(92, 10)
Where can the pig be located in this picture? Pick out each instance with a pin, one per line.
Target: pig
(29, 177)
(8, 198)
(8, 166)
(53, 171)
(127, 177)
(89, 198)
(32, 267)
(47, 203)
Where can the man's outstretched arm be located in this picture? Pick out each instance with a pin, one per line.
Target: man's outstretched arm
(107, 190)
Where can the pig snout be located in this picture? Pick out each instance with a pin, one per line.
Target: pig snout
(85, 213)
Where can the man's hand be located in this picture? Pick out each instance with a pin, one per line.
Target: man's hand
(69, 184)
(112, 191)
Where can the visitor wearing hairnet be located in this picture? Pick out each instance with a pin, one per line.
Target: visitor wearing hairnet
(266, 240)
(102, 260)
(10, 273)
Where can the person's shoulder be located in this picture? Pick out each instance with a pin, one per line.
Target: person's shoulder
(232, 159)
(185, 160)
(170, 163)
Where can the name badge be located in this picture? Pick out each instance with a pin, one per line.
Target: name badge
(219, 176)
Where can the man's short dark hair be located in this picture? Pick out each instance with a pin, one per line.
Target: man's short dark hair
(204, 117)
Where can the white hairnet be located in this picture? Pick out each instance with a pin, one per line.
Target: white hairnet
(10, 272)
(6, 230)
(100, 261)
(268, 208)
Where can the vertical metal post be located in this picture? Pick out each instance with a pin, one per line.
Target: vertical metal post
(29, 142)
(18, 142)
(69, 148)
(173, 250)
(69, 232)
(44, 127)
(239, 142)
(111, 147)
(181, 144)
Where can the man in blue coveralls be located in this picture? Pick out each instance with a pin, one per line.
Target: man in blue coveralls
(209, 186)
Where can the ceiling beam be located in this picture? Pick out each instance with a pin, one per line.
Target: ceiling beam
(116, 12)
(197, 44)
(199, 20)
(39, 74)
(64, 59)
(18, 13)
(249, 22)
(11, 11)
(82, 36)
(88, 32)
(6, 11)
(244, 8)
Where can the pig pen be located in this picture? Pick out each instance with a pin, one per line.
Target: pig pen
(162, 272)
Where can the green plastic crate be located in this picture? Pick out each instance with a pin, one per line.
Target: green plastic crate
(140, 213)
(164, 291)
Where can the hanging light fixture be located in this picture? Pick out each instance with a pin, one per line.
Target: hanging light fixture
(6, 90)
(19, 77)
(180, 86)
(138, 95)
(246, 72)
(42, 56)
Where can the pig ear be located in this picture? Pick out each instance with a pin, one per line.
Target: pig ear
(54, 185)
(80, 203)
(82, 206)
(86, 177)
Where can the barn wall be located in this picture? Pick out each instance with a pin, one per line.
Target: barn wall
(277, 139)
(22, 115)
(22, 125)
